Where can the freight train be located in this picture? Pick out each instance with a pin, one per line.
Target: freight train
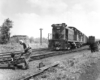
(66, 37)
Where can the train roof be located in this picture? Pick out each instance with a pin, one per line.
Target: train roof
(59, 25)
(76, 29)
(69, 29)
(73, 28)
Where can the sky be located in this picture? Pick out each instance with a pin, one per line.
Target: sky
(29, 16)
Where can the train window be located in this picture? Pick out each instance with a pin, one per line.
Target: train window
(58, 28)
(58, 32)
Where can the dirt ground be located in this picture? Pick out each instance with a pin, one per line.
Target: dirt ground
(15, 74)
(76, 66)
(79, 67)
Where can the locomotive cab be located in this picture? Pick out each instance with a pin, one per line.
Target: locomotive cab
(62, 37)
(58, 36)
(58, 31)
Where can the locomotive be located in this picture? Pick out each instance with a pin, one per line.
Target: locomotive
(64, 37)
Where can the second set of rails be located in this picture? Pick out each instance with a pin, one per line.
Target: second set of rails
(38, 54)
(69, 53)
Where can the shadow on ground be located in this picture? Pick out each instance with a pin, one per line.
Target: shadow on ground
(13, 68)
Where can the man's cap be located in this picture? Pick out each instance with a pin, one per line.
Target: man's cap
(21, 41)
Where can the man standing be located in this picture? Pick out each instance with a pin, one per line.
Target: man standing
(94, 47)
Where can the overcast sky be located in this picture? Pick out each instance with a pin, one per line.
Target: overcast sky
(29, 16)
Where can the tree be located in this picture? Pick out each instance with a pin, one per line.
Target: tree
(5, 31)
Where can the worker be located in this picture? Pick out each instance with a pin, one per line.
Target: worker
(92, 47)
(26, 52)
(25, 46)
(96, 46)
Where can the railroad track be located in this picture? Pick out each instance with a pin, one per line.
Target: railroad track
(45, 54)
(6, 56)
(31, 76)
(42, 53)
(55, 53)
(19, 52)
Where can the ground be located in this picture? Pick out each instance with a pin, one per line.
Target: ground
(75, 66)
(78, 67)
(81, 61)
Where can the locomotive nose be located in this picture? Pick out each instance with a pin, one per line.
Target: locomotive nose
(57, 45)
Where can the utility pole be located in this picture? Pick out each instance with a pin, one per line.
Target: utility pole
(41, 36)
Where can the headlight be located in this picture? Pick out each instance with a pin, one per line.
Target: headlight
(57, 43)
(57, 48)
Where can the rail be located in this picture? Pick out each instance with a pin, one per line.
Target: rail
(44, 55)
(32, 76)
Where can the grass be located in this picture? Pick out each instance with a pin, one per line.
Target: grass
(37, 45)
(84, 67)
(11, 47)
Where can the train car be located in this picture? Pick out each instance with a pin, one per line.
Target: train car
(85, 40)
(79, 38)
(91, 39)
(64, 37)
